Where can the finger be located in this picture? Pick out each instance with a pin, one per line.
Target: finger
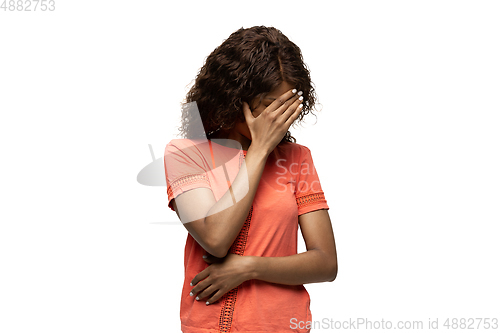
(247, 113)
(285, 114)
(281, 100)
(295, 111)
(216, 296)
(206, 292)
(207, 259)
(200, 276)
(291, 103)
(199, 288)
(210, 259)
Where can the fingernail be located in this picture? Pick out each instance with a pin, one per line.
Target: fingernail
(300, 106)
(294, 91)
(197, 297)
(190, 294)
(300, 93)
(191, 284)
(207, 303)
(301, 98)
(204, 256)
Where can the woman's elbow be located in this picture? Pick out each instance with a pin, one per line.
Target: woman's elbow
(217, 249)
(218, 252)
(332, 272)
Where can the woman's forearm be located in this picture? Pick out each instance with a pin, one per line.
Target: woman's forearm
(308, 267)
(226, 218)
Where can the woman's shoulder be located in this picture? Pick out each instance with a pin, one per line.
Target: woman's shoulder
(194, 149)
(185, 144)
(293, 147)
(182, 142)
(292, 150)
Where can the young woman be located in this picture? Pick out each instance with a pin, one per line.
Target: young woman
(242, 207)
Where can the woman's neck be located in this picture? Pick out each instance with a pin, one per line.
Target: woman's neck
(232, 135)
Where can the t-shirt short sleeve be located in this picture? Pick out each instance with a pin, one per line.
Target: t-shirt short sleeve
(185, 169)
(308, 191)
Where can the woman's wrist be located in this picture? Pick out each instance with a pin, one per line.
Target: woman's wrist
(259, 152)
(252, 268)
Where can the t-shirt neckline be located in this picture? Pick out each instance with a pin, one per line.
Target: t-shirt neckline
(243, 150)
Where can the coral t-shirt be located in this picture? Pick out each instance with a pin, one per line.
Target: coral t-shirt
(289, 187)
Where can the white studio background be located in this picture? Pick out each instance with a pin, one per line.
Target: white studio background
(406, 146)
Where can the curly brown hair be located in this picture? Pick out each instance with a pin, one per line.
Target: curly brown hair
(247, 65)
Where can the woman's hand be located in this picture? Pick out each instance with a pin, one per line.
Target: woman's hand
(269, 127)
(221, 276)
